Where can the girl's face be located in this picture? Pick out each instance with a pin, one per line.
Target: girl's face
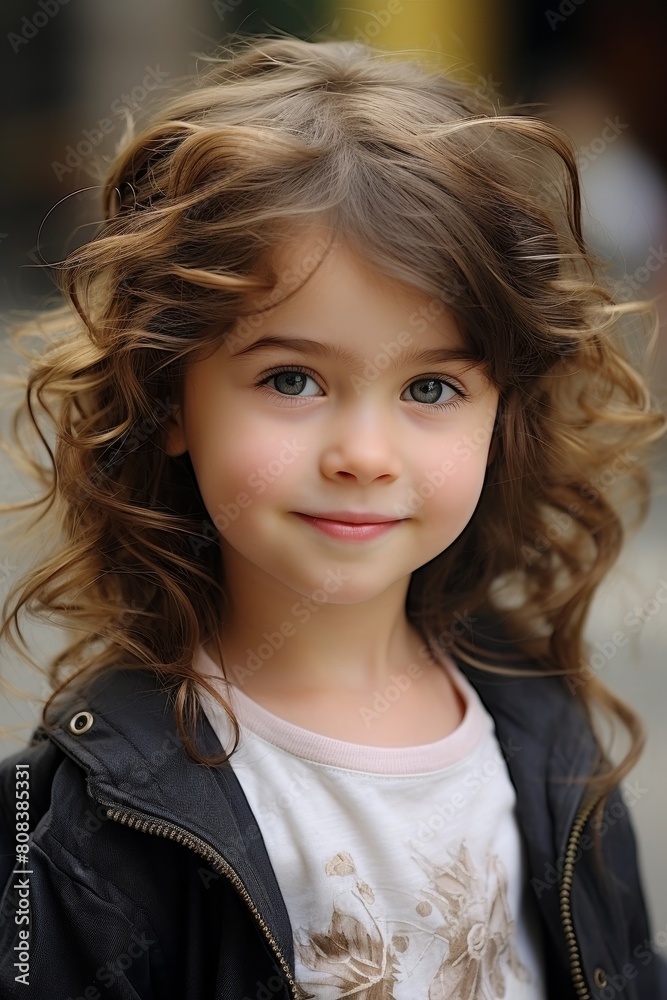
(351, 422)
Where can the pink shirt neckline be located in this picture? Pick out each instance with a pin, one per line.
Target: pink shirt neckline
(428, 757)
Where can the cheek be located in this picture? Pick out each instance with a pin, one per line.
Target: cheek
(238, 460)
(452, 489)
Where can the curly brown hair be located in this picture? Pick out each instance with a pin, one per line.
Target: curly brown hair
(437, 188)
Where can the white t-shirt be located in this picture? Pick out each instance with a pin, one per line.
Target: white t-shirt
(401, 867)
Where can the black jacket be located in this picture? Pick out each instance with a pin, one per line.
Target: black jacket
(147, 875)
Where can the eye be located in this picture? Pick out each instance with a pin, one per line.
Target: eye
(435, 393)
(288, 380)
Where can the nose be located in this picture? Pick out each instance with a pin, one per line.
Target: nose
(361, 446)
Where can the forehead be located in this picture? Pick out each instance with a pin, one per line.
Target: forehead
(332, 289)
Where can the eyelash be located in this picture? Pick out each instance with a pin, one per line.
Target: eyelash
(460, 397)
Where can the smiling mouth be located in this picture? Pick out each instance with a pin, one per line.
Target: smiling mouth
(347, 517)
(347, 530)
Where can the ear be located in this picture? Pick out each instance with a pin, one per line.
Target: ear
(174, 433)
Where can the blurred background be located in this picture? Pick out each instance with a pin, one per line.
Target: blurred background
(70, 72)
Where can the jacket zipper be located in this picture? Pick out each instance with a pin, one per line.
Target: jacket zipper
(162, 828)
(565, 905)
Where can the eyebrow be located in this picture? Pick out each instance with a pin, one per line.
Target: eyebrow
(357, 361)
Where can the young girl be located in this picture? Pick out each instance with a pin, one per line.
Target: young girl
(331, 392)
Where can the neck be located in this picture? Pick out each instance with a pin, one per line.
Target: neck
(282, 641)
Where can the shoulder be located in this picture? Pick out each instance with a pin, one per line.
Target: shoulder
(543, 706)
(83, 863)
(66, 823)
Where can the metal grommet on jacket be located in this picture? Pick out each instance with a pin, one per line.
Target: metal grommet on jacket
(80, 723)
(600, 978)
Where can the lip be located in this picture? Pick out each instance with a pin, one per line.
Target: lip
(352, 517)
(350, 531)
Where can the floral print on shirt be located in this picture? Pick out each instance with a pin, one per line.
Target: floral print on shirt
(474, 932)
